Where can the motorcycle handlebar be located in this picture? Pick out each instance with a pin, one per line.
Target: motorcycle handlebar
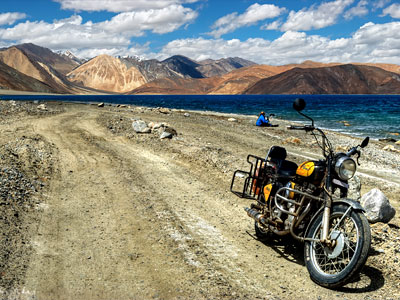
(306, 128)
(352, 151)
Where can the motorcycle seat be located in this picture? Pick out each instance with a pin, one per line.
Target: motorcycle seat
(287, 168)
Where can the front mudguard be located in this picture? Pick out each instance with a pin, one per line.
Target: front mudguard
(350, 202)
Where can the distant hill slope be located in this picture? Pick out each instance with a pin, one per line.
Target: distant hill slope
(341, 79)
(11, 79)
(108, 74)
(27, 64)
(44, 65)
(183, 65)
(61, 63)
(176, 86)
(211, 68)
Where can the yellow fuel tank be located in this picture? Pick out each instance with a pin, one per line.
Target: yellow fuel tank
(305, 169)
(312, 171)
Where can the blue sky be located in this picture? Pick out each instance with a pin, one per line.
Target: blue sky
(267, 32)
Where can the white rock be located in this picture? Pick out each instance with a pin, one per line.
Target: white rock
(140, 127)
(377, 207)
(157, 126)
(355, 188)
(42, 107)
(164, 110)
(166, 135)
(232, 120)
(186, 115)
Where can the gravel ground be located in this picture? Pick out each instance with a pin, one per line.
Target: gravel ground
(201, 238)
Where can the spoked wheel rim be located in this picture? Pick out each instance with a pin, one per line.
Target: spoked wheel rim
(331, 261)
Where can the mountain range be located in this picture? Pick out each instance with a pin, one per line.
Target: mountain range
(31, 68)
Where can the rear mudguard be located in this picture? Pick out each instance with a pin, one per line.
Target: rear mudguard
(350, 202)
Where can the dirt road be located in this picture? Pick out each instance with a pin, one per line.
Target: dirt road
(138, 218)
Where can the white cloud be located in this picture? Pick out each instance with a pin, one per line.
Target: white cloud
(380, 3)
(10, 18)
(118, 5)
(158, 21)
(324, 15)
(371, 43)
(251, 16)
(357, 11)
(63, 33)
(111, 34)
(393, 10)
(272, 26)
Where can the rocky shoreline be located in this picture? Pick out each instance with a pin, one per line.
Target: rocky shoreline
(204, 140)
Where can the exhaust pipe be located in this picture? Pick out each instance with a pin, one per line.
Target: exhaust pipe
(256, 215)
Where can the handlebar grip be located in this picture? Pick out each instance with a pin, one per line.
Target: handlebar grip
(352, 151)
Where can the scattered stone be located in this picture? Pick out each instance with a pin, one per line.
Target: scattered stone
(388, 140)
(292, 140)
(170, 130)
(233, 120)
(397, 143)
(164, 110)
(166, 135)
(158, 125)
(140, 127)
(355, 188)
(42, 106)
(377, 207)
(391, 148)
(100, 104)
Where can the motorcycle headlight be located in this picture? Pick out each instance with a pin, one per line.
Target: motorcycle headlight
(345, 167)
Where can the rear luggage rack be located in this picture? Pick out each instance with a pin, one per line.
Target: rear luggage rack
(251, 182)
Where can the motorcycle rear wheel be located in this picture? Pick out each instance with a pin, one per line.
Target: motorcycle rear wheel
(333, 267)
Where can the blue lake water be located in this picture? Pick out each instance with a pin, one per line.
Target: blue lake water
(369, 115)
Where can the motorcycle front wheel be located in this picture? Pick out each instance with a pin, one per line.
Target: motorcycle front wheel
(333, 267)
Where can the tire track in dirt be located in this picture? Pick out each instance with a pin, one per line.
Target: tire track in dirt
(92, 242)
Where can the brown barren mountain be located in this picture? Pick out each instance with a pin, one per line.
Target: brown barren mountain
(11, 79)
(234, 82)
(177, 86)
(388, 67)
(241, 79)
(20, 61)
(108, 74)
(341, 79)
(61, 63)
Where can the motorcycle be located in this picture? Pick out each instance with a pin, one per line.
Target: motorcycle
(300, 201)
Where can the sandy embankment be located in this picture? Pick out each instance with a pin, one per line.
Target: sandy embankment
(111, 214)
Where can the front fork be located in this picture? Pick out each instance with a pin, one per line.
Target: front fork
(325, 221)
(328, 205)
